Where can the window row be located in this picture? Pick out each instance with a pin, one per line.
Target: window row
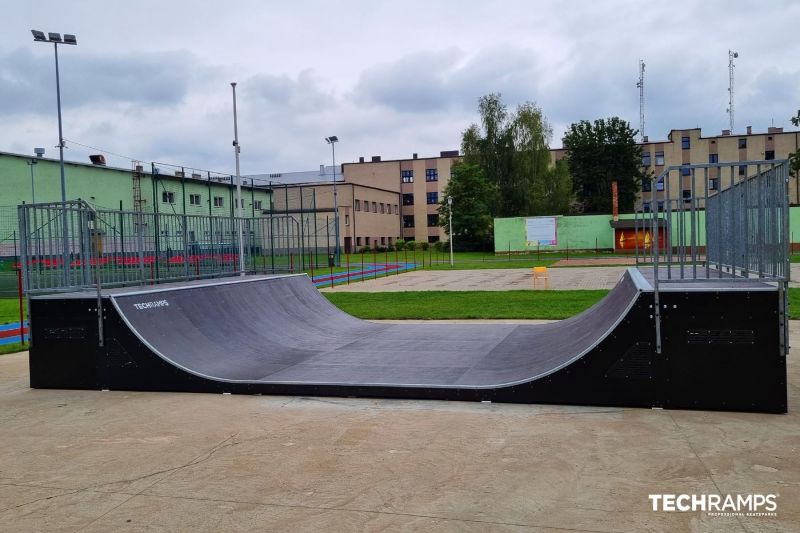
(408, 221)
(168, 197)
(369, 241)
(431, 198)
(431, 174)
(377, 207)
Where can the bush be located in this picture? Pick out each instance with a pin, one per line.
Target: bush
(438, 246)
(424, 246)
(400, 244)
(411, 245)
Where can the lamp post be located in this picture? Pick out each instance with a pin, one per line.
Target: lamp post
(450, 225)
(55, 38)
(236, 151)
(33, 161)
(332, 140)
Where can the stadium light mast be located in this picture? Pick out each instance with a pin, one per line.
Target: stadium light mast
(332, 140)
(640, 85)
(731, 56)
(55, 38)
(236, 151)
(450, 225)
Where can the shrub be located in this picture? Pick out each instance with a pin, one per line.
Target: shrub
(424, 246)
(411, 245)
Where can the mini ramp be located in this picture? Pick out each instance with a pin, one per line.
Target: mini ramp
(279, 335)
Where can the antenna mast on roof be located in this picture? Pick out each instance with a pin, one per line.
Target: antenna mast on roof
(731, 56)
(640, 85)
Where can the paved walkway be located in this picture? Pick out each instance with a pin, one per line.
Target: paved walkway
(488, 280)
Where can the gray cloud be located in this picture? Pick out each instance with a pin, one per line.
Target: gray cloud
(27, 80)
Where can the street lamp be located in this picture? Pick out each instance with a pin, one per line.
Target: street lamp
(236, 150)
(332, 140)
(33, 161)
(55, 38)
(450, 225)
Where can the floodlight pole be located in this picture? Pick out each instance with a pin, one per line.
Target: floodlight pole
(236, 150)
(31, 163)
(450, 225)
(55, 38)
(332, 140)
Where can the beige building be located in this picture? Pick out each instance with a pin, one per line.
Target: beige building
(420, 183)
(689, 146)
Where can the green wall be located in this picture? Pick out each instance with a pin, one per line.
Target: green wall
(582, 232)
(106, 187)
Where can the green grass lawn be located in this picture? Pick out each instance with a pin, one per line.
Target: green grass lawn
(429, 305)
(9, 310)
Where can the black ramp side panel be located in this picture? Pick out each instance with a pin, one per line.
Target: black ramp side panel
(283, 330)
(278, 335)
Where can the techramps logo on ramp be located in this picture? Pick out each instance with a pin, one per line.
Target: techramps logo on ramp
(744, 505)
(151, 305)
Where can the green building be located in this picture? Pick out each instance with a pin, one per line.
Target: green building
(146, 188)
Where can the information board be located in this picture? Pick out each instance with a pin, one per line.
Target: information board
(541, 230)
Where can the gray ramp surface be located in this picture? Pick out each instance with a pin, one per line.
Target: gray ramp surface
(282, 330)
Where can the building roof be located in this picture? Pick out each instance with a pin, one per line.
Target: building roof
(321, 176)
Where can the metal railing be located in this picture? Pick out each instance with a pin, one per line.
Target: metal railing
(72, 246)
(726, 221)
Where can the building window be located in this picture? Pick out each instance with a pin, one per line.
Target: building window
(769, 155)
(742, 143)
(407, 176)
(347, 220)
(383, 241)
(659, 159)
(687, 195)
(408, 221)
(194, 199)
(433, 221)
(743, 170)
(660, 205)
(660, 184)
(168, 197)
(408, 199)
(433, 238)
(713, 158)
(432, 197)
(374, 207)
(396, 210)
(647, 185)
(358, 205)
(358, 241)
(646, 207)
(713, 183)
(646, 159)
(431, 174)
(685, 143)
(383, 209)
(257, 205)
(686, 171)
(219, 201)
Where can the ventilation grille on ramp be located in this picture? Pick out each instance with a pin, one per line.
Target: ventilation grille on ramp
(635, 363)
(720, 336)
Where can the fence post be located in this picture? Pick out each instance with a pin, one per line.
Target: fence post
(21, 306)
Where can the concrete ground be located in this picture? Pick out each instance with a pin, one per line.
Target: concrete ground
(604, 277)
(101, 461)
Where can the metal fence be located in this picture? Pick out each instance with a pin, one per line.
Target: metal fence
(725, 220)
(72, 245)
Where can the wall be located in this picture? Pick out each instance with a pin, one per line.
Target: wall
(106, 187)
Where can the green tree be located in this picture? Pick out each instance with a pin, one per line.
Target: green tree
(513, 153)
(553, 192)
(472, 196)
(599, 153)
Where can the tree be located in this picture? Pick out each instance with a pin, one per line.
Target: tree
(794, 159)
(472, 216)
(512, 151)
(599, 153)
(553, 192)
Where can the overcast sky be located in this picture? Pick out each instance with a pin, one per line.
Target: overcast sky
(150, 79)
